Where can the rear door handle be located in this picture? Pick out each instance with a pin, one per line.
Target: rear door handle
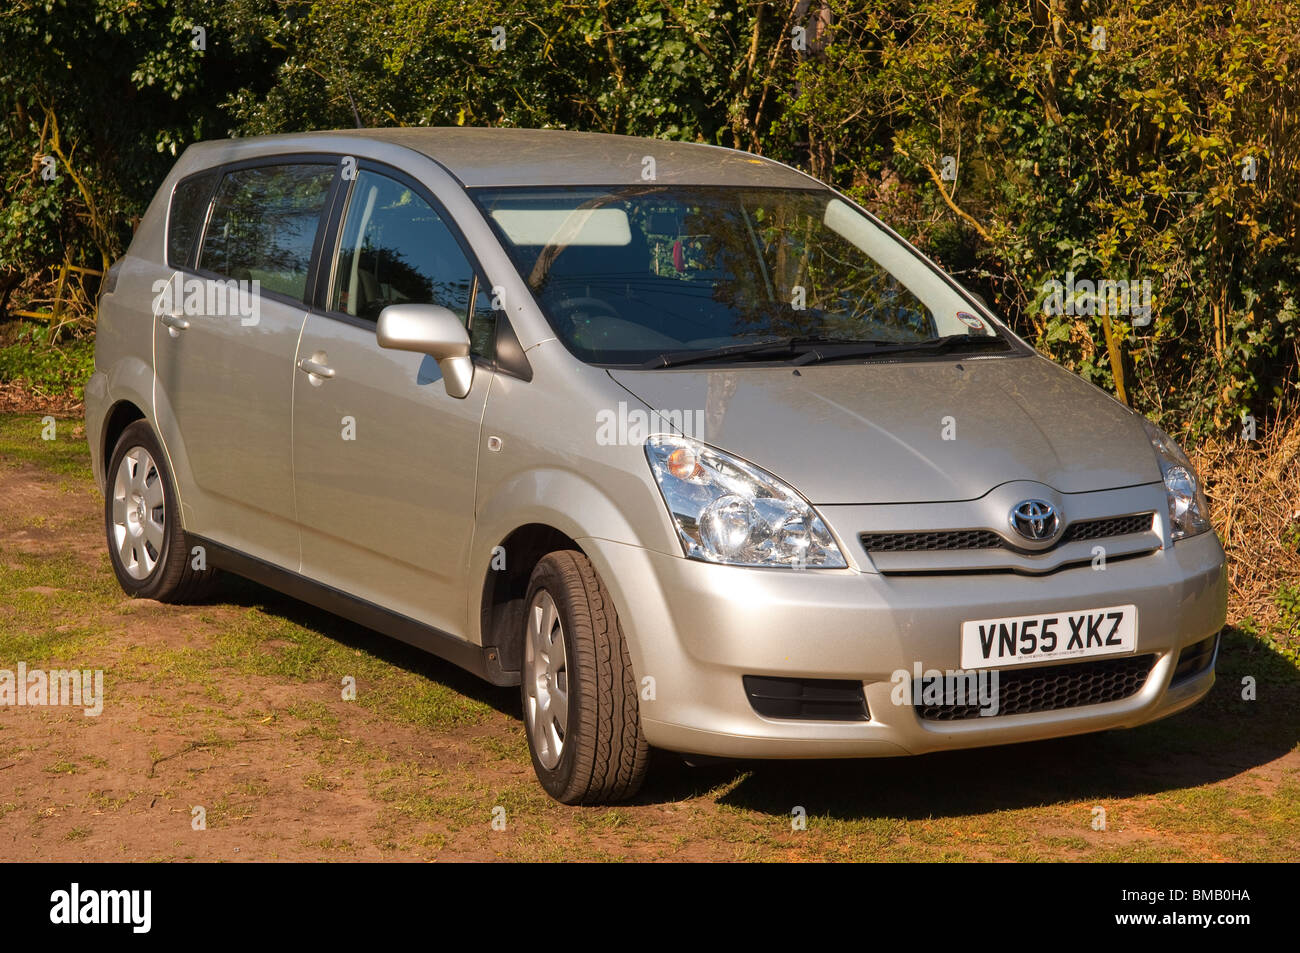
(315, 368)
(175, 321)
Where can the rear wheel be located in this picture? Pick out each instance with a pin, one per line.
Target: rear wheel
(579, 692)
(150, 552)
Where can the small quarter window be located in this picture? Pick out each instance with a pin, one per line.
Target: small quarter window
(185, 218)
(483, 330)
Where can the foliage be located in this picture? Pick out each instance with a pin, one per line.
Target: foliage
(1287, 601)
(1128, 161)
(1166, 151)
(48, 367)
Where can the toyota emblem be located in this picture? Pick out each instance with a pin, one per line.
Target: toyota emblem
(1034, 519)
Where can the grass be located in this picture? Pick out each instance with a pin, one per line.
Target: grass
(44, 368)
(255, 642)
(42, 615)
(23, 440)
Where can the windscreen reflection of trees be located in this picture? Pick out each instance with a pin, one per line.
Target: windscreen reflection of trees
(844, 292)
(766, 259)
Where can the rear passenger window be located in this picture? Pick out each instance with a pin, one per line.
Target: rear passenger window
(185, 218)
(264, 223)
(395, 249)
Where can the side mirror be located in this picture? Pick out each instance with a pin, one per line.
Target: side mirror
(433, 330)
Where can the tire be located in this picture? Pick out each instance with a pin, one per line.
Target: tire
(580, 702)
(147, 546)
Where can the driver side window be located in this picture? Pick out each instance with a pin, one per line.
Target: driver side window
(395, 249)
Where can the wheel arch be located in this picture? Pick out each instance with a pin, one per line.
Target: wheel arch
(522, 519)
(505, 588)
(120, 415)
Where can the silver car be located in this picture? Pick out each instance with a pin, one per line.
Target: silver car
(687, 445)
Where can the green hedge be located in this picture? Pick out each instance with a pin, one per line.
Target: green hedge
(1016, 143)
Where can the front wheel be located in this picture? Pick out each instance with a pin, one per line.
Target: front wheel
(149, 550)
(579, 692)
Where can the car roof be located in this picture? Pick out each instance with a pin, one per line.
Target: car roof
(480, 157)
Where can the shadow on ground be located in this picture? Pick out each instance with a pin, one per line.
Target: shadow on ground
(233, 590)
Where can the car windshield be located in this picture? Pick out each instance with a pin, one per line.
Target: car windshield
(631, 275)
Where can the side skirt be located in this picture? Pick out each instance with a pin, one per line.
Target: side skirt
(473, 658)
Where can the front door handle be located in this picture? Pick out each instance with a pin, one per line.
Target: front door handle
(315, 368)
(175, 321)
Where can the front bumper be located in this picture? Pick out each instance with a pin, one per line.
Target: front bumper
(695, 629)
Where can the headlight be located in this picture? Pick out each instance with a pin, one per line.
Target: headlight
(729, 511)
(1189, 511)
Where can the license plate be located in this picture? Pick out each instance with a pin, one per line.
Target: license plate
(1081, 633)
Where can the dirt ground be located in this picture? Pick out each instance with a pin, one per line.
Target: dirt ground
(235, 707)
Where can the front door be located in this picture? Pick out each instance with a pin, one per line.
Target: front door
(384, 461)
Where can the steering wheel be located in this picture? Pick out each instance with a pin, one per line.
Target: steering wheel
(572, 304)
(565, 307)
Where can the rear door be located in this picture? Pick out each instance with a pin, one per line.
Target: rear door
(225, 339)
(385, 462)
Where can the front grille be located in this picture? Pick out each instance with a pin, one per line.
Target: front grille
(931, 542)
(816, 699)
(958, 539)
(1069, 685)
(1110, 526)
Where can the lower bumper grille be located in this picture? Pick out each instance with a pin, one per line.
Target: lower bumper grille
(810, 699)
(1069, 685)
(1195, 659)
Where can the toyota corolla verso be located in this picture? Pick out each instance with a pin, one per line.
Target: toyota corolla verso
(686, 444)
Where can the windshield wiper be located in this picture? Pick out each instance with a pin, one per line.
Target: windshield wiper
(819, 349)
(780, 346)
(933, 346)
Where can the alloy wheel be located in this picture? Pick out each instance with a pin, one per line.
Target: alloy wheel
(546, 680)
(139, 513)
